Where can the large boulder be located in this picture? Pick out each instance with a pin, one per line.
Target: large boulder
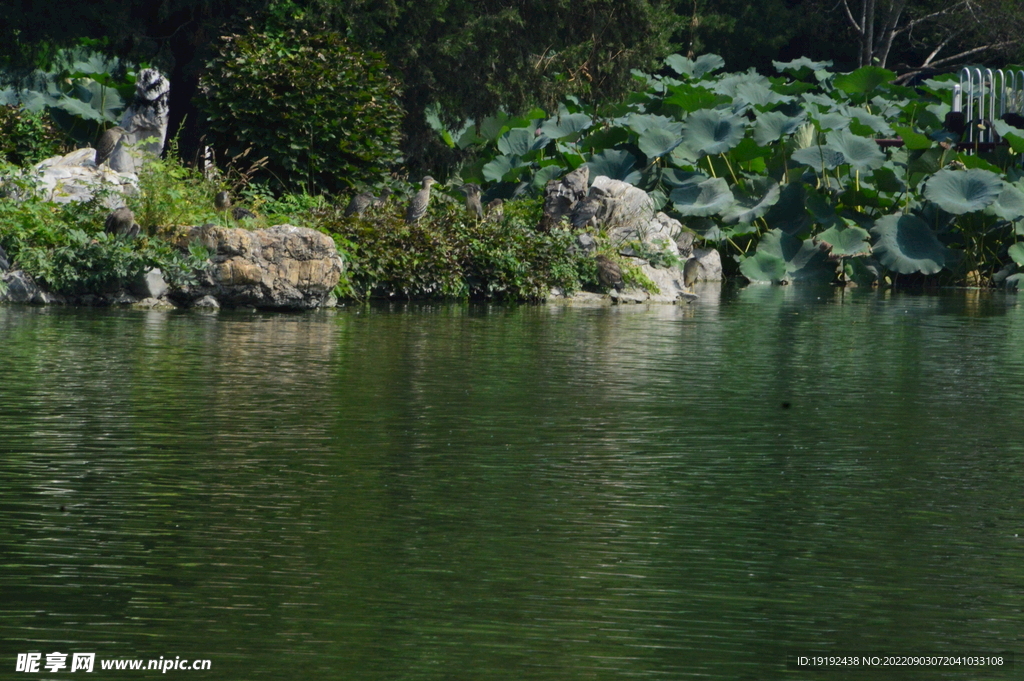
(75, 177)
(283, 267)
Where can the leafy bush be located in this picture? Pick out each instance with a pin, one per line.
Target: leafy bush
(450, 255)
(784, 173)
(323, 112)
(27, 137)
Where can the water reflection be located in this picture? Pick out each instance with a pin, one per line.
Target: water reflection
(515, 492)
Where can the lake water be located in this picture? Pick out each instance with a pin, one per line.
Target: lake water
(486, 492)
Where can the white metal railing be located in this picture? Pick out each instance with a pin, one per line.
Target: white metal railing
(984, 95)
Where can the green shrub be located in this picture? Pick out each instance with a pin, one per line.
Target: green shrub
(26, 137)
(450, 255)
(324, 113)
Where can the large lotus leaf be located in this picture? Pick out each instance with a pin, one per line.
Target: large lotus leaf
(704, 64)
(906, 244)
(710, 131)
(752, 201)
(558, 127)
(912, 139)
(106, 100)
(604, 138)
(520, 141)
(870, 123)
(802, 68)
(789, 213)
(1016, 252)
(1015, 136)
(709, 197)
(79, 109)
(500, 166)
(860, 152)
(618, 164)
(640, 123)
(673, 177)
(655, 142)
(546, 174)
(682, 155)
(759, 93)
(804, 260)
(863, 80)
(763, 268)
(963, 191)
(845, 241)
(773, 125)
(833, 120)
(819, 157)
(689, 98)
(822, 211)
(1009, 205)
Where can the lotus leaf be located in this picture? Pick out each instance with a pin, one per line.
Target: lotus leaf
(912, 139)
(1015, 136)
(753, 201)
(655, 142)
(763, 268)
(863, 80)
(706, 63)
(833, 120)
(759, 94)
(789, 213)
(640, 123)
(906, 244)
(869, 123)
(1010, 204)
(709, 197)
(845, 241)
(546, 174)
(774, 125)
(819, 157)
(565, 125)
(690, 98)
(803, 259)
(678, 178)
(500, 166)
(802, 68)
(520, 141)
(710, 131)
(860, 152)
(1016, 251)
(963, 191)
(617, 164)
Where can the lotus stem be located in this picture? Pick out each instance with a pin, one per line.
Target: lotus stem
(729, 166)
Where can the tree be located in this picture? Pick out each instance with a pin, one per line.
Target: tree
(936, 33)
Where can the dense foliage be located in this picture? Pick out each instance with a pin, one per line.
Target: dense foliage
(785, 173)
(324, 113)
(452, 255)
(27, 137)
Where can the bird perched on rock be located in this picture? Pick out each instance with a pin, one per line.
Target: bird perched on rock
(107, 143)
(588, 210)
(495, 210)
(121, 221)
(473, 205)
(609, 273)
(690, 271)
(418, 205)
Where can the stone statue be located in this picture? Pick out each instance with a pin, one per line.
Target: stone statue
(146, 121)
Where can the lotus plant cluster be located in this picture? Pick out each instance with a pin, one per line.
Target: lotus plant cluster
(804, 175)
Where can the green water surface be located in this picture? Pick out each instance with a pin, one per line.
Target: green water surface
(462, 492)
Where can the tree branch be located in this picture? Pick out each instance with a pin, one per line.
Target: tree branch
(911, 24)
(849, 15)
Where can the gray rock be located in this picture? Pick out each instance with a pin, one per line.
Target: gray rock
(123, 298)
(206, 302)
(150, 284)
(586, 244)
(283, 267)
(710, 264)
(75, 177)
(21, 288)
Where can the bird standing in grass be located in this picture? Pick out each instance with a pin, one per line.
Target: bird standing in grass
(473, 205)
(121, 221)
(359, 203)
(495, 210)
(418, 205)
(609, 273)
(222, 201)
(107, 143)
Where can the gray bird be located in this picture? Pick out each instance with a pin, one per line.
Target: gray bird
(473, 205)
(609, 273)
(359, 203)
(685, 243)
(418, 205)
(690, 271)
(495, 210)
(385, 194)
(107, 143)
(588, 210)
(121, 221)
(222, 201)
